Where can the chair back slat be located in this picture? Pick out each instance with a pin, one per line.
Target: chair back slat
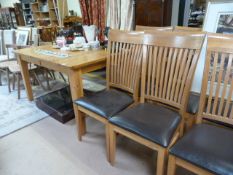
(217, 85)
(169, 66)
(144, 28)
(124, 60)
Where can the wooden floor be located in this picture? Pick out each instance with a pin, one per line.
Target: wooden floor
(50, 148)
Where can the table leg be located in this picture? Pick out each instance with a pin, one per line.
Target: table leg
(26, 77)
(76, 86)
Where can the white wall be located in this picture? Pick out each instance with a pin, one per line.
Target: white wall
(175, 12)
(8, 3)
(74, 5)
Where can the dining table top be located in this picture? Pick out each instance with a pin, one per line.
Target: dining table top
(67, 58)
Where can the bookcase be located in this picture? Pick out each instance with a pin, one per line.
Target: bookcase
(49, 12)
(8, 18)
(27, 13)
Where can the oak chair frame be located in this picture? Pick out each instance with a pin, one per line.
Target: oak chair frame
(187, 29)
(122, 41)
(208, 107)
(160, 41)
(152, 28)
(12, 63)
(189, 118)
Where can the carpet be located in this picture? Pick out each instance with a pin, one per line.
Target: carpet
(16, 114)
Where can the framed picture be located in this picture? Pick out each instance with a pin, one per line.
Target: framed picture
(22, 37)
(29, 29)
(219, 19)
(219, 16)
(225, 23)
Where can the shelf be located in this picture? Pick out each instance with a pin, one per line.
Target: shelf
(43, 19)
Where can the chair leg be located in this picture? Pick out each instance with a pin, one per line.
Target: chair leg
(47, 79)
(13, 87)
(38, 80)
(50, 74)
(18, 84)
(54, 76)
(62, 76)
(112, 145)
(107, 140)
(171, 170)
(84, 130)
(161, 161)
(81, 125)
(0, 78)
(8, 80)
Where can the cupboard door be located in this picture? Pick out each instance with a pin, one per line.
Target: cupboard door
(153, 12)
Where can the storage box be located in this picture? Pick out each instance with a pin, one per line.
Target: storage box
(58, 104)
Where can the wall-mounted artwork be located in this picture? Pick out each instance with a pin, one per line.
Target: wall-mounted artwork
(225, 23)
(22, 37)
(219, 16)
(214, 10)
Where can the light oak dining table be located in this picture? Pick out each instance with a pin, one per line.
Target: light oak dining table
(75, 65)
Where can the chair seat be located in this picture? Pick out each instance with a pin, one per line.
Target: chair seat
(153, 122)
(14, 67)
(106, 103)
(5, 64)
(207, 146)
(3, 58)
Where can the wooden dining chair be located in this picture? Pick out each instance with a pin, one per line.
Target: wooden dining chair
(123, 75)
(12, 67)
(194, 97)
(8, 37)
(207, 148)
(144, 28)
(187, 29)
(169, 61)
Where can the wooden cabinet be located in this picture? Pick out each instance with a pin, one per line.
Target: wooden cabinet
(153, 12)
(40, 12)
(19, 14)
(27, 13)
(49, 12)
(8, 18)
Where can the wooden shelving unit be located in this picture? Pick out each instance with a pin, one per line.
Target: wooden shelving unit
(49, 12)
(53, 12)
(27, 13)
(8, 18)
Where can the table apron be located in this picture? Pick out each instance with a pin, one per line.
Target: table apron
(46, 64)
(61, 68)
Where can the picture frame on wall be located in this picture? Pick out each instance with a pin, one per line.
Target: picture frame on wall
(219, 19)
(225, 23)
(22, 37)
(219, 16)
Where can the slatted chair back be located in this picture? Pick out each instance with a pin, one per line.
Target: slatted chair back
(168, 67)
(144, 28)
(124, 61)
(186, 29)
(216, 101)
